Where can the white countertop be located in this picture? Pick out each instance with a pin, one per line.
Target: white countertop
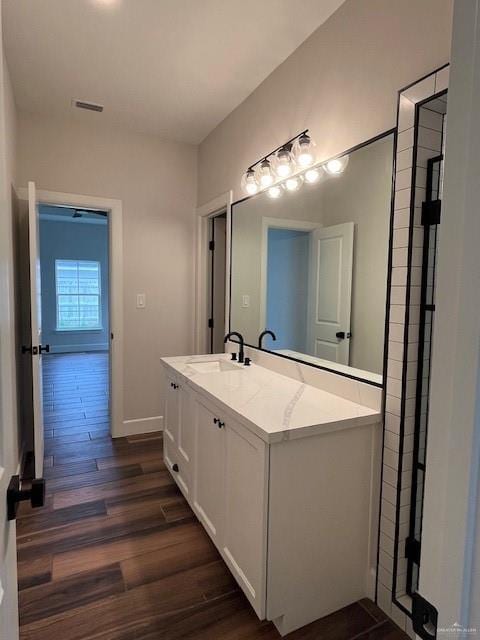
(271, 405)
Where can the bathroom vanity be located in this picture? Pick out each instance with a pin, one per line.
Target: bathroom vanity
(281, 474)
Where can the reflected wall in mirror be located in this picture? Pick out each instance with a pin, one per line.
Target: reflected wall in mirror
(312, 266)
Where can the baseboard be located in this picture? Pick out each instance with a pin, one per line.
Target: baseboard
(139, 425)
(77, 348)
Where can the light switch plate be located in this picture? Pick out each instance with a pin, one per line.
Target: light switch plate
(245, 300)
(141, 301)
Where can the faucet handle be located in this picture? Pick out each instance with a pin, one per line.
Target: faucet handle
(234, 356)
(247, 362)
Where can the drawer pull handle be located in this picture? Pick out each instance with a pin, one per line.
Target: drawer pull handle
(175, 467)
(220, 424)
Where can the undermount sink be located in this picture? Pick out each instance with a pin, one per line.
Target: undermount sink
(214, 366)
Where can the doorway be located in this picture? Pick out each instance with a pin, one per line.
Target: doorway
(217, 245)
(74, 267)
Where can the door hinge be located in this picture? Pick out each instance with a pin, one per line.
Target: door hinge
(431, 212)
(412, 550)
(211, 245)
(210, 323)
(111, 336)
(424, 618)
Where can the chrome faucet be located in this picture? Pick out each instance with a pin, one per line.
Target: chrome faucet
(267, 332)
(241, 354)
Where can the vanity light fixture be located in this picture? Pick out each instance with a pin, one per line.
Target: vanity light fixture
(249, 182)
(284, 164)
(304, 150)
(288, 166)
(336, 166)
(265, 174)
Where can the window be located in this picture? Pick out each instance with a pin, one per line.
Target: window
(78, 294)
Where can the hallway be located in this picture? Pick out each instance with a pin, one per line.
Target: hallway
(116, 553)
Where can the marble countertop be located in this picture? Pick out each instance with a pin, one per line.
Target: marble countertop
(273, 406)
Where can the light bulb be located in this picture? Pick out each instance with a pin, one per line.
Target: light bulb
(304, 150)
(275, 191)
(249, 182)
(265, 174)
(292, 184)
(283, 162)
(336, 166)
(312, 175)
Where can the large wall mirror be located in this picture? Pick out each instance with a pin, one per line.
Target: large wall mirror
(311, 266)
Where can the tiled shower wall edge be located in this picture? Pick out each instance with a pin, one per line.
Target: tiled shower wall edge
(402, 350)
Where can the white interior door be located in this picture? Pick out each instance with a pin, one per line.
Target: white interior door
(36, 325)
(330, 295)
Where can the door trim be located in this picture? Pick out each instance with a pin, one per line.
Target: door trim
(114, 208)
(209, 210)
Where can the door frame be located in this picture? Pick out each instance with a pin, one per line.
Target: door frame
(114, 208)
(276, 223)
(209, 210)
(450, 541)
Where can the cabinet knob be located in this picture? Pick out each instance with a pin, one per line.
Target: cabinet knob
(175, 467)
(220, 424)
(215, 420)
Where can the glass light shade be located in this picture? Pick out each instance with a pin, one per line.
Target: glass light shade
(304, 150)
(265, 174)
(275, 191)
(249, 182)
(283, 162)
(336, 166)
(312, 175)
(294, 183)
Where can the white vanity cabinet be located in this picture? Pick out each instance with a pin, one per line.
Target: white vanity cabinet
(229, 496)
(289, 511)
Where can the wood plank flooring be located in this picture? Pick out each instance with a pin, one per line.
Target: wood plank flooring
(116, 553)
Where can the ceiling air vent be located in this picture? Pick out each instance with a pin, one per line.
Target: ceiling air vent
(90, 106)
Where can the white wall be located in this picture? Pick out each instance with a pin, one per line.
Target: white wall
(156, 181)
(342, 83)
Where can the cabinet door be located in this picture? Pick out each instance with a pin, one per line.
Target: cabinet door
(209, 471)
(245, 530)
(171, 411)
(185, 440)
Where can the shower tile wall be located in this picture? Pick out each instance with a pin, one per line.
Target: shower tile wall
(404, 316)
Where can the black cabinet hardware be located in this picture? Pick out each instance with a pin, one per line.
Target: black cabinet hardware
(45, 349)
(220, 424)
(173, 385)
(215, 420)
(36, 495)
(175, 467)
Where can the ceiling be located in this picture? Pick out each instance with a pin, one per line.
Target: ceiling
(175, 68)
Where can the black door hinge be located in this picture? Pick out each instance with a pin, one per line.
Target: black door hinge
(424, 618)
(211, 245)
(431, 212)
(210, 323)
(412, 550)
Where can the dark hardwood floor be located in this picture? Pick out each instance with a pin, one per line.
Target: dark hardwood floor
(116, 553)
